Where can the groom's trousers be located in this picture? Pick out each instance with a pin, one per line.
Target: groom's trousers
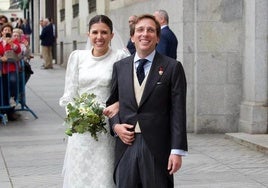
(138, 168)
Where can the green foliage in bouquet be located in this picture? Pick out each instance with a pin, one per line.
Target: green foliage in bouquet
(85, 115)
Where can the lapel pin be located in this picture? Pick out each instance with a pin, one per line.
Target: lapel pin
(160, 71)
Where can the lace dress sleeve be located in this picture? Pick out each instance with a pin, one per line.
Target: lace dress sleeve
(71, 80)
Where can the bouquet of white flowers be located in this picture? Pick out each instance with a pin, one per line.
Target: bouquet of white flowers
(85, 115)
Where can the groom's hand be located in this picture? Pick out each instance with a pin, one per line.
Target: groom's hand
(125, 133)
(174, 163)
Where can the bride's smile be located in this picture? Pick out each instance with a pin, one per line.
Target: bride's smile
(100, 37)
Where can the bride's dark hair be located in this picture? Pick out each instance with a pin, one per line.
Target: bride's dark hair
(103, 19)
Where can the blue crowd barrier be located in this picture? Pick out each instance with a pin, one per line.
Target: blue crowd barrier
(12, 89)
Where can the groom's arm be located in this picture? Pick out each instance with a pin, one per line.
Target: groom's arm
(178, 119)
(178, 110)
(114, 89)
(112, 99)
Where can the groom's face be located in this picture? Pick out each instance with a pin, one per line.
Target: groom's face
(145, 36)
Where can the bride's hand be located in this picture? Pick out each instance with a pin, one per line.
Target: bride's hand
(111, 110)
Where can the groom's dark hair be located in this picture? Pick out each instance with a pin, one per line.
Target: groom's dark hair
(101, 19)
(144, 16)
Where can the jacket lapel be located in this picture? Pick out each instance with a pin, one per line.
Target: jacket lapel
(129, 80)
(153, 77)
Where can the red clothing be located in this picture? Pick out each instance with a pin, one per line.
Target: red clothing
(9, 67)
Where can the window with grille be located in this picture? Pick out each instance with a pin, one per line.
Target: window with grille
(74, 45)
(62, 15)
(75, 10)
(91, 6)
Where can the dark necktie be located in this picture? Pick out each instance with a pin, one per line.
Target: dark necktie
(140, 70)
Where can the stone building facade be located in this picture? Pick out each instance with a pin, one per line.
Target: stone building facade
(223, 46)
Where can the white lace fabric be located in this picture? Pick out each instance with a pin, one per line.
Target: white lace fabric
(89, 163)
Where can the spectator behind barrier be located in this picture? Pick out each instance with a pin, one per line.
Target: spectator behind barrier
(3, 20)
(25, 54)
(18, 35)
(9, 51)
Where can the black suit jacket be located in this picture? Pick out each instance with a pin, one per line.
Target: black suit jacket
(47, 36)
(162, 110)
(168, 43)
(131, 47)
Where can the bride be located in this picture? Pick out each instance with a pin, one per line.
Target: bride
(89, 163)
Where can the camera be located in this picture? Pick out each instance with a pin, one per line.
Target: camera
(8, 35)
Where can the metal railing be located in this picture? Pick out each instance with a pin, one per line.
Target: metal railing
(12, 88)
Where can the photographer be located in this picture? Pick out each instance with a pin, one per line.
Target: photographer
(9, 50)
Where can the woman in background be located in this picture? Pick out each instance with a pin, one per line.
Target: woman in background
(9, 51)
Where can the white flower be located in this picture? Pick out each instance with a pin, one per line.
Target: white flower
(85, 115)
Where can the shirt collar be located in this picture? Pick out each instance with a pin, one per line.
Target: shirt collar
(150, 57)
(163, 26)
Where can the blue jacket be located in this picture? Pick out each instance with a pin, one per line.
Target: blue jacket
(131, 47)
(168, 43)
(47, 37)
(26, 28)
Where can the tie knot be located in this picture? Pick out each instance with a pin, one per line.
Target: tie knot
(142, 62)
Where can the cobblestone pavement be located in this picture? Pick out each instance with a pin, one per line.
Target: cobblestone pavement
(217, 162)
(32, 150)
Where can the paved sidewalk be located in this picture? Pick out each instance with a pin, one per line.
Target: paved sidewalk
(32, 150)
(217, 162)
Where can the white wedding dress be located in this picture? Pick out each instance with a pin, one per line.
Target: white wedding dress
(89, 163)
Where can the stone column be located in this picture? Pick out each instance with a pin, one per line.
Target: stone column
(254, 109)
(36, 30)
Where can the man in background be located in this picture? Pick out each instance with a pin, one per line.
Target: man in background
(168, 41)
(47, 40)
(130, 45)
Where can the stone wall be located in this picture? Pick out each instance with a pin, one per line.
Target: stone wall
(213, 46)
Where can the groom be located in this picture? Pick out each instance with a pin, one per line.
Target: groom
(150, 128)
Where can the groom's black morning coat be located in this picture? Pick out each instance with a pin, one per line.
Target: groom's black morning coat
(162, 110)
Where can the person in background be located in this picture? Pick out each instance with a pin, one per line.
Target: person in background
(25, 54)
(130, 45)
(9, 51)
(150, 127)
(18, 35)
(168, 41)
(3, 20)
(19, 23)
(27, 30)
(47, 41)
(13, 22)
(41, 24)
